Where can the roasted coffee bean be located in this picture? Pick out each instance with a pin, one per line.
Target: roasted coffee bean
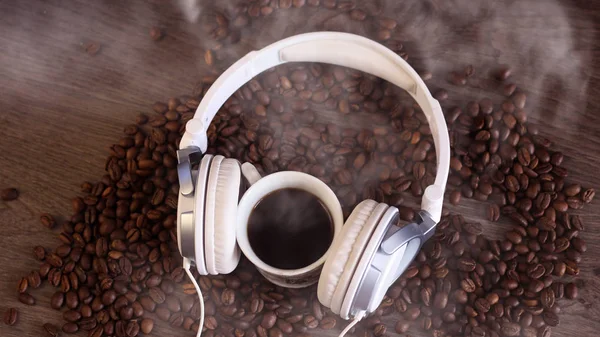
(147, 303)
(51, 330)
(147, 325)
(285, 326)
(71, 300)
(547, 298)
(48, 221)
(132, 329)
(468, 285)
(156, 294)
(460, 296)
(588, 195)
(571, 291)
(493, 212)
(27, 299)
(309, 321)
(228, 297)
(425, 296)
(23, 285)
(153, 281)
(70, 328)
(412, 314)
(275, 332)
(9, 194)
(164, 314)
(109, 297)
(327, 323)
(401, 327)
(455, 197)
(379, 330)
(72, 316)
(536, 271)
(86, 311)
(550, 318)
(256, 305)
(440, 300)
(466, 264)
(11, 315)
(510, 329)
(57, 300)
(268, 320)
(44, 270)
(54, 260)
(96, 332)
(579, 245)
(39, 253)
(473, 228)
(482, 305)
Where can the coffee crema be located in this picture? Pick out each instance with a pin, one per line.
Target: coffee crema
(290, 229)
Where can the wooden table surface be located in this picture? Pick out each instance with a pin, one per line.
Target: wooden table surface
(61, 108)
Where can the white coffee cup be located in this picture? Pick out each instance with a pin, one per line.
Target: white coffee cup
(261, 187)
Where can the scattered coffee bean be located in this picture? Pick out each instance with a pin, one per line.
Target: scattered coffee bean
(503, 73)
(48, 221)
(455, 197)
(328, 323)
(23, 285)
(26, 298)
(550, 318)
(11, 315)
(96, 332)
(510, 329)
(156, 33)
(70, 328)
(51, 330)
(402, 327)
(440, 300)
(310, 322)
(493, 212)
(9, 194)
(147, 325)
(571, 291)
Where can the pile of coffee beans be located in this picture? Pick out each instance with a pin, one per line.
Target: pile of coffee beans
(118, 270)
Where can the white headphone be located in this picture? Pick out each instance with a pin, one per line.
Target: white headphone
(370, 253)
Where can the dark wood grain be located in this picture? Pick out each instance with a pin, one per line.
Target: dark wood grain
(61, 108)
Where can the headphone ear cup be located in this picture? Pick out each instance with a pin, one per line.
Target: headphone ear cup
(221, 251)
(379, 228)
(345, 252)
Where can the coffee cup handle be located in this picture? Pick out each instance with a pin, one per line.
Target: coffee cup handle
(250, 173)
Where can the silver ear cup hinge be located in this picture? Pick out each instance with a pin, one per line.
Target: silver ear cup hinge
(426, 224)
(184, 168)
(422, 229)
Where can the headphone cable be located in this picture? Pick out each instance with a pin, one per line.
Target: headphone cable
(356, 319)
(186, 267)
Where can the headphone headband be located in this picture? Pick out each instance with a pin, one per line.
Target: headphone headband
(341, 49)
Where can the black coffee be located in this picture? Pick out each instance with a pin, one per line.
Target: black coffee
(290, 229)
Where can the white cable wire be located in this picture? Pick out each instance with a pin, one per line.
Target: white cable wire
(186, 267)
(356, 319)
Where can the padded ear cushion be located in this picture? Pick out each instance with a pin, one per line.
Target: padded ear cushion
(221, 250)
(337, 261)
(199, 204)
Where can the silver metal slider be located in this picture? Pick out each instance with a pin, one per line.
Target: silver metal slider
(184, 168)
